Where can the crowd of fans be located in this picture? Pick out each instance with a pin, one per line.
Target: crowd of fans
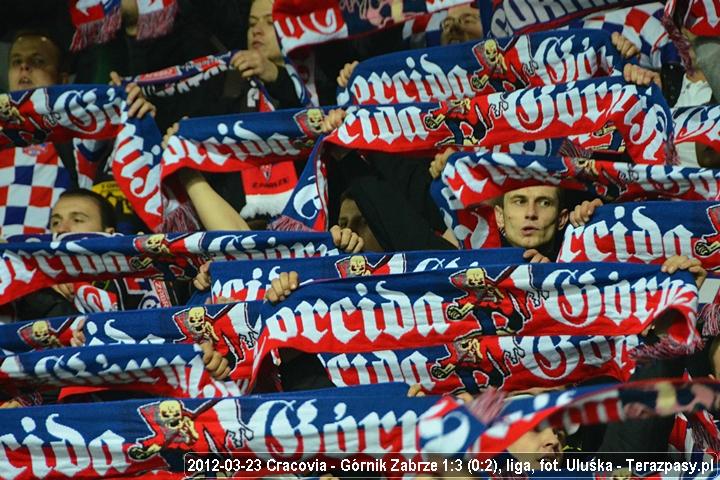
(379, 202)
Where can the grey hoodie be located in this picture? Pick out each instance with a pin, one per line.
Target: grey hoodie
(707, 52)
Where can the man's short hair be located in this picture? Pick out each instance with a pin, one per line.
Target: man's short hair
(63, 54)
(107, 211)
(500, 201)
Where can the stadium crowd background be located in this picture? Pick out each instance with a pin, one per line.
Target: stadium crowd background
(379, 202)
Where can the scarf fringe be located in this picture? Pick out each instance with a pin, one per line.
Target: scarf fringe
(285, 223)
(487, 406)
(158, 23)
(180, 219)
(681, 43)
(96, 32)
(665, 348)
(701, 436)
(710, 316)
(265, 204)
(671, 154)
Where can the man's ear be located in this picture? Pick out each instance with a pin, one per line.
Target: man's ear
(563, 218)
(499, 219)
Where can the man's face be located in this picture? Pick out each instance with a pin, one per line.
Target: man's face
(351, 217)
(261, 34)
(462, 24)
(34, 63)
(531, 216)
(539, 444)
(77, 215)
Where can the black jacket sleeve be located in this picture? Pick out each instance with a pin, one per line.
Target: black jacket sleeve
(44, 303)
(648, 437)
(282, 90)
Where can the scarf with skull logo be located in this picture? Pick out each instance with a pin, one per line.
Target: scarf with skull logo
(471, 180)
(247, 281)
(468, 328)
(494, 65)
(31, 266)
(151, 437)
(267, 187)
(61, 113)
(229, 329)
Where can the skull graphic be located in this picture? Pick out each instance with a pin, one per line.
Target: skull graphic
(358, 266)
(9, 113)
(475, 277)
(199, 327)
(586, 166)
(156, 244)
(170, 417)
(42, 334)
(491, 53)
(315, 118)
(469, 349)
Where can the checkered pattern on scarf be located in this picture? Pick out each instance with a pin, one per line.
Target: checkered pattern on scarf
(31, 181)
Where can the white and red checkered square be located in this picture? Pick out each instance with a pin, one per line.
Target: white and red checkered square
(641, 25)
(31, 180)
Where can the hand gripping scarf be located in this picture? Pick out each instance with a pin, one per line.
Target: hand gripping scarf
(91, 112)
(59, 113)
(249, 281)
(640, 114)
(182, 78)
(26, 267)
(464, 70)
(237, 142)
(470, 179)
(315, 429)
(647, 232)
(366, 314)
(642, 25)
(231, 329)
(300, 24)
(266, 188)
(602, 404)
(651, 232)
(165, 370)
(97, 21)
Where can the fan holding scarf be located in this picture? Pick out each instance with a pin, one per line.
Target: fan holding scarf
(260, 81)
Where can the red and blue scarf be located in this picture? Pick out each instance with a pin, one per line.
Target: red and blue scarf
(249, 281)
(97, 21)
(151, 437)
(30, 266)
(470, 180)
(497, 65)
(524, 324)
